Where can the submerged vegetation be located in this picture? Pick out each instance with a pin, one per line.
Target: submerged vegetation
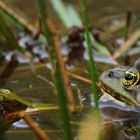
(62, 73)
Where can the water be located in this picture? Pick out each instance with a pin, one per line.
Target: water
(98, 10)
(35, 86)
(30, 82)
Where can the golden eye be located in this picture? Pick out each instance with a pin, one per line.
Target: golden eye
(130, 79)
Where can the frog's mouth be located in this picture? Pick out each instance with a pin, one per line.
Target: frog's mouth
(117, 96)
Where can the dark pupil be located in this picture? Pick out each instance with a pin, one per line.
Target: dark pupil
(128, 77)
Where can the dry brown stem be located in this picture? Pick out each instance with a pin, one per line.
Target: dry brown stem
(57, 48)
(17, 17)
(37, 130)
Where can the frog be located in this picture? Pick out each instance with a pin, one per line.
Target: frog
(120, 100)
(13, 107)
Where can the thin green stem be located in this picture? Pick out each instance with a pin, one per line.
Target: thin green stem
(92, 68)
(57, 73)
(9, 35)
(12, 21)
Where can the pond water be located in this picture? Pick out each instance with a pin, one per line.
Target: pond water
(29, 83)
(98, 10)
(34, 83)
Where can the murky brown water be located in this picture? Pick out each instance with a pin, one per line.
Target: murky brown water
(98, 9)
(102, 13)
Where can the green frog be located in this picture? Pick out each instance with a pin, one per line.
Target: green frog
(121, 95)
(12, 106)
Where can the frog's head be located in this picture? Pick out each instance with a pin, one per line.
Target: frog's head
(9, 105)
(123, 84)
(10, 102)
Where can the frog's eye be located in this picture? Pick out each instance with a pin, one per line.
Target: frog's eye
(130, 79)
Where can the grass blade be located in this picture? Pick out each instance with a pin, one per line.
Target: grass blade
(59, 83)
(12, 21)
(127, 45)
(62, 12)
(16, 17)
(9, 35)
(99, 47)
(92, 68)
(73, 16)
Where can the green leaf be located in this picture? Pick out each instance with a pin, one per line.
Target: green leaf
(74, 17)
(9, 35)
(62, 12)
(99, 47)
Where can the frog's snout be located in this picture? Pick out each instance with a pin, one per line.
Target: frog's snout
(108, 75)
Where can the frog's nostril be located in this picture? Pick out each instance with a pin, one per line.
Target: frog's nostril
(110, 74)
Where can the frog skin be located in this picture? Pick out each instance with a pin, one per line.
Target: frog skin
(120, 101)
(11, 106)
(121, 92)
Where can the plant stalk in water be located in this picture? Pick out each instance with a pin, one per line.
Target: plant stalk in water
(14, 18)
(52, 40)
(92, 68)
(9, 35)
